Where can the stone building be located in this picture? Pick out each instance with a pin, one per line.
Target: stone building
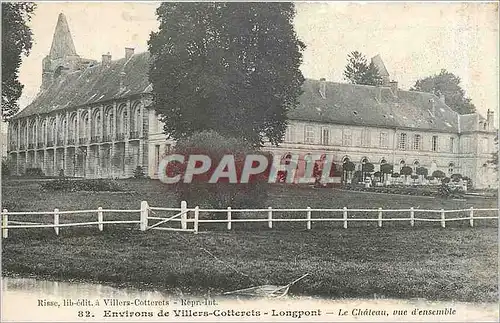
(93, 119)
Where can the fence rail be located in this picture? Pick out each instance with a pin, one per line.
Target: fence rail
(186, 215)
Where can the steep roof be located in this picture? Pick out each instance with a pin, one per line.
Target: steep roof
(121, 78)
(379, 64)
(341, 103)
(62, 42)
(373, 106)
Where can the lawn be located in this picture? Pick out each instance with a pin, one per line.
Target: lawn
(455, 263)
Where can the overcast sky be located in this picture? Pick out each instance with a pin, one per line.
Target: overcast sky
(415, 40)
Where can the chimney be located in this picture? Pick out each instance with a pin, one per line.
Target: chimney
(442, 98)
(394, 87)
(129, 52)
(106, 59)
(322, 87)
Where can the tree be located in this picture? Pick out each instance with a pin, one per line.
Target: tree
(406, 171)
(438, 174)
(16, 41)
(231, 67)
(347, 168)
(223, 193)
(386, 169)
(494, 155)
(447, 84)
(359, 71)
(367, 168)
(422, 171)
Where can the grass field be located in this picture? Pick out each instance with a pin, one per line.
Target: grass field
(455, 263)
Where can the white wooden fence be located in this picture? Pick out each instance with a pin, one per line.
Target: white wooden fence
(148, 214)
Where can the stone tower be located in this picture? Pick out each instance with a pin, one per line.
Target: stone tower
(62, 58)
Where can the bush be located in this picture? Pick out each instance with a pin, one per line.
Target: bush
(139, 172)
(74, 185)
(35, 172)
(5, 167)
(222, 194)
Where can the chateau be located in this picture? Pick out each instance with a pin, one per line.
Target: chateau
(93, 119)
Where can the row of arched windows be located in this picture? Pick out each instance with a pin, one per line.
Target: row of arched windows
(91, 125)
(416, 164)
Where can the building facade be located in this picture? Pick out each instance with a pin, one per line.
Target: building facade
(93, 119)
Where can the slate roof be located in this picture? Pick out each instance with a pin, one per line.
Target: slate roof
(342, 103)
(94, 84)
(373, 106)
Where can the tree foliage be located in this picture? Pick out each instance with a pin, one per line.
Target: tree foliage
(359, 71)
(222, 193)
(494, 155)
(422, 171)
(16, 41)
(231, 67)
(438, 174)
(447, 84)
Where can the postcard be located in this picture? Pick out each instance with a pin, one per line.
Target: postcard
(249, 161)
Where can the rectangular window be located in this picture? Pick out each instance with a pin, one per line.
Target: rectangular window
(417, 142)
(383, 140)
(452, 144)
(346, 137)
(402, 141)
(434, 144)
(484, 145)
(466, 145)
(365, 138)
(157, 157)
(325, 136)
(309, 134)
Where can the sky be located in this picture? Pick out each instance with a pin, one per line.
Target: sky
(415, 40)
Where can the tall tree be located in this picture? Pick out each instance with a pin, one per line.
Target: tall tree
(359, 71)
(447, 84)
(226, 66)
(16, 41)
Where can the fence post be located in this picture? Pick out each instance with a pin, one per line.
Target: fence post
(443, 221)
(270, 217)
(345, 217)
(196, 217)
(412, 217)
(229, 218)
(471, 221)
(100, 218)
(144, 215)
(5, 222)
(308, 218)
(184, 215)
(56, 221)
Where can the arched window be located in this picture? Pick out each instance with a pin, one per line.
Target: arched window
(451, 168)
(416, 164)
(287, 158)
(345, 159)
